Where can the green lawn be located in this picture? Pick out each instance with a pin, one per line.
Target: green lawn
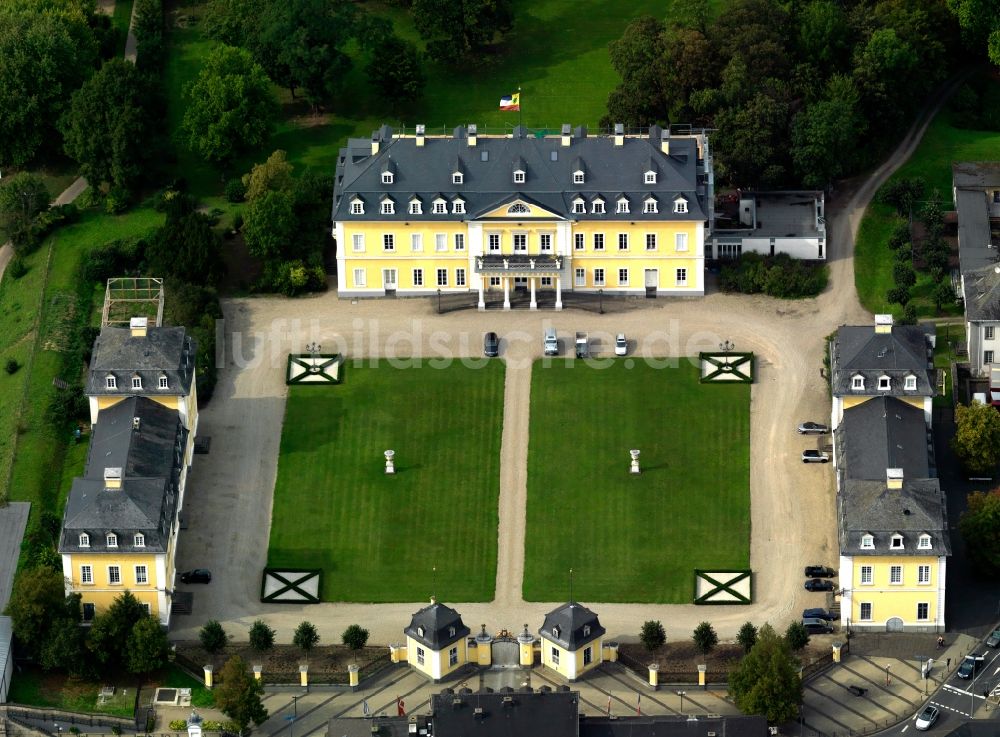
(378, 537)
(634, 538)
(32, 687)
(942, 145)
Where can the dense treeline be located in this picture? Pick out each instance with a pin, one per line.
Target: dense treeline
(801, 93)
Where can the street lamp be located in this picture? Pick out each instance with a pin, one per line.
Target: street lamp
(682, 694)
(887, 674)
(439, 300)
(600, 295)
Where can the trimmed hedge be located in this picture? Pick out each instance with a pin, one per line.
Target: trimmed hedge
(776, 276)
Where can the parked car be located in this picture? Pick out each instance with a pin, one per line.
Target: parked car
(815, 456)
(970, 665)
(491, 345)
(994, 639)
(857, 690)
(820, 572)
(819, 584)
(926, 718)
(550, 343)
(621, 345)
(813, 428)
(817, 613)
(198, 575)
(815, 626)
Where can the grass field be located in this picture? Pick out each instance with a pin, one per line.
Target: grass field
(941, 145)
(634, 538)
(33, 687)
(378, 537)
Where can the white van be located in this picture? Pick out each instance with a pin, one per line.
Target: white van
(551, 342)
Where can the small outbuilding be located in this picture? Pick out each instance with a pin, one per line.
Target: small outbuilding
(436, 643)
(572, 640)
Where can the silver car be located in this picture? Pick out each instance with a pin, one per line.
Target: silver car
(621, 345)
(815, 456)
(926, 718)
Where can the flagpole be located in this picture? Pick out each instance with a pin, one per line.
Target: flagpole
(519, 106)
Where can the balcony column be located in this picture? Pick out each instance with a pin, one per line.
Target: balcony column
(506, 292)
(482, 301)
(531, 281)
(558, 292)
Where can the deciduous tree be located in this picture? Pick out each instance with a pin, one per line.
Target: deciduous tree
(213, 637)
(453, 28)
(22, 197)
(306, 637)
(37, 593)
(705, 638)
(766, 681)
(652, 635)
(147, 646)
(796, 636)
(238, 694)
(108, 637)
(272, 175)
(355, 637)
(261, 636)
(747, 636)
(980, 528)
(269, 225)
(396, 71)
(977, 438)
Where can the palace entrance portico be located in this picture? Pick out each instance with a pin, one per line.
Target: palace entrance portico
(507, 272)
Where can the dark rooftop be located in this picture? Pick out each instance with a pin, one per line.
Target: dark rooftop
(674, 726)
(883, 433)
(437, 626)
(507, 713)
(164, 352)
(572, 626)
(903, 351)
(139, 436)
(870, 507)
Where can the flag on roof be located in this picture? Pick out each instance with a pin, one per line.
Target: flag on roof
(511, 103)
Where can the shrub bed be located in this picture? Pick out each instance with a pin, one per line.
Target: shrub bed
(776, 276)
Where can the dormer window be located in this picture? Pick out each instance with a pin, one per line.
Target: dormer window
(458, 207)
(597, 206)
(164, 383)
(451, 632)
(649, 206)
(415, 207)
(579, 207)
(139, 540)
(112, 540)
(649, 177)
(680, 205)
(883, 383)
(84, 540)
(896, 543)
(136, 382)
(387, 177)
(578, 177)
(388, 207)
(858, 383)
(555, 631)
(911, 383)
(586, 630)
(440, 207)
(622, 205)
(357, 207)
(519, 176)
(867, 541)
(924, 542)
(111, 382)
(458, 178)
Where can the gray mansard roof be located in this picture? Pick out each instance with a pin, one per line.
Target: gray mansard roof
(164, 351)
(977, 254)
(437, 626)
(870, 507)
(488, 166)
(572, 626)
(883, 433)
(153, 448)
(860, 350)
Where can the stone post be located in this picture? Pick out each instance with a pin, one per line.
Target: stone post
(353, 675)
(304, 676)
(836, 651)
(484, 648)
(634, 467)
(654, 676)
(702, 674)
(209, 669)
(258, 672)
(390, 467)
(526, 641)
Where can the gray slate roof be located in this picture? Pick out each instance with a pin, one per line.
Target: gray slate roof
(572, 626)
(552, 714)
(871, 507)
(858, 349)
(978, 259)
(426, 172)
(437, 626)
(168, 351)
(883, 433)
(674, 726)
(156, 448)
(981, 175)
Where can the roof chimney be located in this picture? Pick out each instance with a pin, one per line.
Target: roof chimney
(113, 478)
(883, 323)
(434, 600)
(619, 134)
(894, 478)
(473, 133)
(135, 423)
(567, 131)
(137, 326)
(376, 140)
(420, 134)
(665, 141)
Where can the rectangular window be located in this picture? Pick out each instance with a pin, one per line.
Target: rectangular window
(623, 241)
(441, 242)
(681, 241)
(148, 608)
(866, 575)
(388, 208)
(420, 656)
(137, 382)
(458, 207)
(418, 277)
(415, 207)
(649, 207)
(555, 656)
(86, 574)
(459, 241)
(545, 242)
(112, 382)
(89, 610)
(650, 241)
(682, 277)
(494, 281)
(357, 208)
(588, 656)
(358, 239)
(598, 241)
(520, 242)
(359, 277)
(987, 356)
(580, 278)
(598, 277)
(895, 574)
(416, 242)
(579, 207)
(163, 382)
(623, 277)
(389, 242)
(459, 277)
(114, 575)
(453, 656)
(494, 241)
(924, 574)
(546, 281)
(866, 611)
(578, 241)
(989, 332)
(440, 207)
(141, 576)
(598, 207)
(442, 277)
(922, 611)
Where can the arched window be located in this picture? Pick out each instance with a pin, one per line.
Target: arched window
(518, 208)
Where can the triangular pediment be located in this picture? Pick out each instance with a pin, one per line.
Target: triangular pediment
(518, 207)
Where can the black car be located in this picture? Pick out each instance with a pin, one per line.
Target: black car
(970, 665)
(817, 626)
(994, 639)
(198, 575)
(491, 345)
(820, 572)
(819, 584)
(817, 613)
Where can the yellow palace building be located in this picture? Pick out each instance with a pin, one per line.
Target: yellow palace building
(531, 212)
